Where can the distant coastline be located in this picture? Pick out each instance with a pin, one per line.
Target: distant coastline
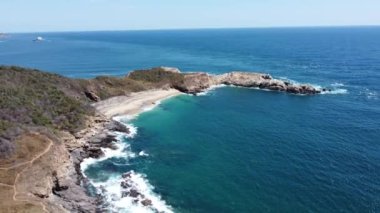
(197, 29)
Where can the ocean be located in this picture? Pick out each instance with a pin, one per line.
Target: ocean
(234, 149)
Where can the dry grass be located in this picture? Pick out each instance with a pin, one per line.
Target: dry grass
(8, 205)
(29, 147)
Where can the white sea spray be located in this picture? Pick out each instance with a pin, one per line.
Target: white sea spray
(111, 189)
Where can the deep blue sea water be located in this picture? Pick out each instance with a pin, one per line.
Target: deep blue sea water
(234, 149)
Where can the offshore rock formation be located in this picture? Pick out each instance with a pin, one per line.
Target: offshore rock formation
(198, 82)
(129, 190)
(264, 81)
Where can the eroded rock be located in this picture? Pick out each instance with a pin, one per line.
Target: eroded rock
(146, 202)
(198, 82)
(92, 96)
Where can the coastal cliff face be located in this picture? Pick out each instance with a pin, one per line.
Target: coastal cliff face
(48, 126)
(40, 177)
(194, 83)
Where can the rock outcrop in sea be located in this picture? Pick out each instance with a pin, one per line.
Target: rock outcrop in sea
(199, 82)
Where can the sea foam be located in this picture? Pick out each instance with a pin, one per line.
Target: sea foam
(112, 193)
(111, 189)
(370, 94)
(335, 88)
(119, 152)
(210, 89)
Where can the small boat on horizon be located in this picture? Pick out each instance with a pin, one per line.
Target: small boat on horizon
(38, 39)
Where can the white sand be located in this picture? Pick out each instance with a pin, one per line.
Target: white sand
(134, 103)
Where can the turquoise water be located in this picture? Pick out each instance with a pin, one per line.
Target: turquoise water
(250, 156)
(234, 149)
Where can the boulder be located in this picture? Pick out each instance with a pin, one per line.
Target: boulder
(92, 96)
(146, 202)
(94, 152)
(125, 185)
(134, 193)
(124, 194)
(266, 77)
(308, 89)
(118, 127)
(293, 89)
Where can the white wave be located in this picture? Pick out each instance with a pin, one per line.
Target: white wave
(86, 163)
(336, 84)
(369, 94)
(335, 88)
(205, 93)
(258, 88)
(132, 130)
(112, 191)
(218, 86)
(286, 79)
(120, 152)
(296, 83)
(372, 95)
(151, 106)
(143, 154)
(124, 119)
(335, 91)
(210, 89)
(122, 149)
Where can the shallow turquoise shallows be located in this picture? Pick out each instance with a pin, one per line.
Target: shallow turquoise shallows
(235, 149)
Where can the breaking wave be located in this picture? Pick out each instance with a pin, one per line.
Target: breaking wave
(370, 94)
(112, 191)
(118, 197)
(332, 89)
(209, 90)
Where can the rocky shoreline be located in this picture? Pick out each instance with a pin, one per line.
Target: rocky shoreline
(199, 82)
(98, 136)
(46, 168)
(89, 143)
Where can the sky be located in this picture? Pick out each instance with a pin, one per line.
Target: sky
(92, 15)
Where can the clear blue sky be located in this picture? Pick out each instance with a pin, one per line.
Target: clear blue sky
(74, 15)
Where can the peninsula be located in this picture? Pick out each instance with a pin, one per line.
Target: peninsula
(49, 124)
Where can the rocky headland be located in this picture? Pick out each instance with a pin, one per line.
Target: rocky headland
(198, 82)
(50, 124)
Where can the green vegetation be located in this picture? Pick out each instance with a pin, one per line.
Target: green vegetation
(105, 86)
(158, 76)
(4, 125)
(32, 98)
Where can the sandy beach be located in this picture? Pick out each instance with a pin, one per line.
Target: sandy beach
(134, 103)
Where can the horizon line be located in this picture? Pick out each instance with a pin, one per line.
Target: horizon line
(190, 28)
